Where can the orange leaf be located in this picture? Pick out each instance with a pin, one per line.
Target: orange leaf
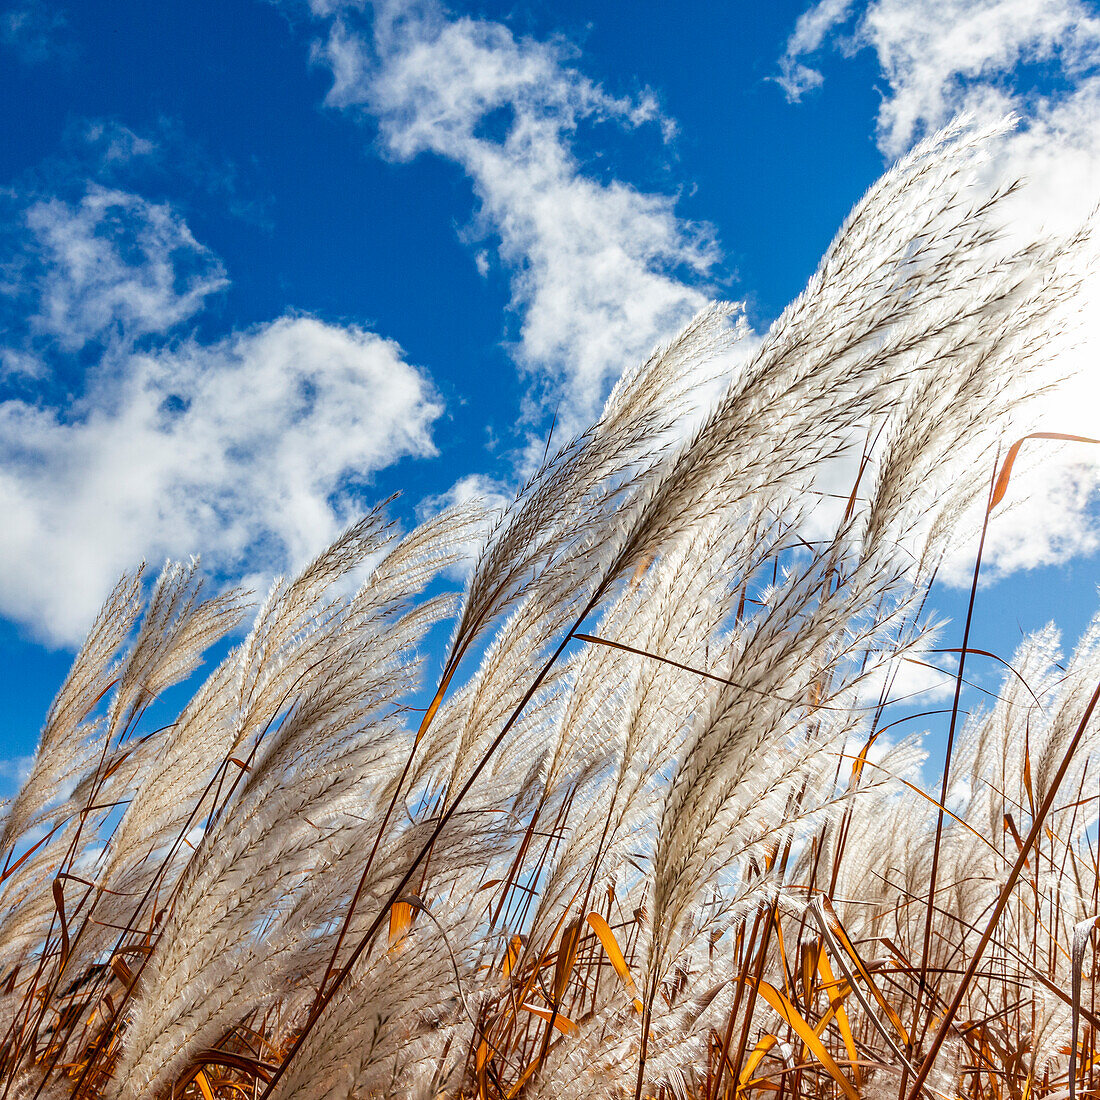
(437, 700)
(511, 956)
(562, 1023)
(614, 952)
(401, 913)
(514, 1090)
(836, 1003)
(567, 954)
(809, 954)
(837, 930)
(481, 1060)
(122, 971)
(482, 1056)
(806, 1033)
(1001, 487)
(752, 1062)
(59, 902)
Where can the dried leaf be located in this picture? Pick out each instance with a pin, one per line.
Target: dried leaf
(614, 953)
(806, 1033)
(562, 1023)
(1001, 486)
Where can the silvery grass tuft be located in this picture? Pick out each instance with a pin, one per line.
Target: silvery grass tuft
(661, 829)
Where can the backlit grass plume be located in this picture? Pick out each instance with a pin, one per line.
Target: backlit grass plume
(658, 827)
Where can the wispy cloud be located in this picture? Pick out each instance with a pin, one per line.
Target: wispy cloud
(110, 266)
(941, 57)
(796, 78)
(114, 143)
(163, 158)
(492, 496)
(600, 270)
(35, 30)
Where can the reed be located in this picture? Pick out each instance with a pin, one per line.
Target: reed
(659, 832)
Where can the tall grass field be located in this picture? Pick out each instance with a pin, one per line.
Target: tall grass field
(661, 823)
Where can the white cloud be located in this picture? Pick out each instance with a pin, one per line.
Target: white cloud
(110, 266)
(245, 450)
(943, 56)
(490, 494)
(493, 495)
(600, 270)
(795, 77)
(16, 769)
(907, 679)
(1037, 58)
(122, 438)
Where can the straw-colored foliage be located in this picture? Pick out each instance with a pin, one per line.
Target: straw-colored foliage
(660, 826)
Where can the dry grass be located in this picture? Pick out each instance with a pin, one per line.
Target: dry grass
(659, 832)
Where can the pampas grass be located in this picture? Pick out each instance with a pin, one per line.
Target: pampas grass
(655, 834)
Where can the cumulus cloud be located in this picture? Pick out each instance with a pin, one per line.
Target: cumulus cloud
(247, 450)
(600, 270)
(123, 439)
(1039, 59)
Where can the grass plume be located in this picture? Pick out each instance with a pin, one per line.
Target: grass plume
(658, 832)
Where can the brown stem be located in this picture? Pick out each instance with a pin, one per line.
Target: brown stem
(1002, 901)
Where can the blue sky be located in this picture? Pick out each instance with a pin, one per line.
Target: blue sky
(263, 264)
